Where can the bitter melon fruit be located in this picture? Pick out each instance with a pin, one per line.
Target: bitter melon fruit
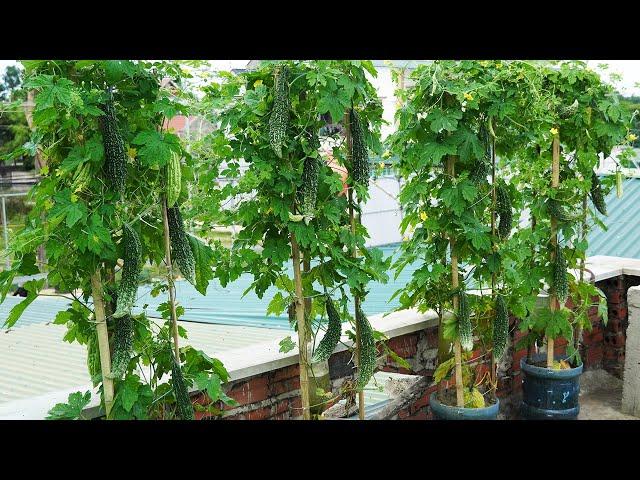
(560, 284)
(174, 179)
(183, 400)
(503, 208)
(308, 191)
(81, 178)
(464, 322)
(368, 351)
(500, 328)
(597, 197)
(331, 338)
(279, 118)
(122, 346)
(481, 167)
(115, 155)
(93, 357)
(128, 287)
(619, 184)
(360, 167)
(181, 252)
(557, 211)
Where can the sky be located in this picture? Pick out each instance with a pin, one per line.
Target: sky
(629, 70)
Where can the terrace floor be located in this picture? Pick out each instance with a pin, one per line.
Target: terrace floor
(601, 397)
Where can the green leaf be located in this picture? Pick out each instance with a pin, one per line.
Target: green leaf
(335, 102)
(72, 410)
(204, 256)
(33, 287)
(444, 120)
(287, 344)
(155, 147)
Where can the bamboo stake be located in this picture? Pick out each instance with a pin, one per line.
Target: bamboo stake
(494, 247)
(103, 340)
(172, 288)
(354, 254)
(457, 349)
(302, 330)
(555, 182)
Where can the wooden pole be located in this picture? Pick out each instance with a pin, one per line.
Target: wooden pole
(555, 182)
(494, 246)
(457, 349)
(172, 288)
(103, 340)
(302, 330)
(354, 254)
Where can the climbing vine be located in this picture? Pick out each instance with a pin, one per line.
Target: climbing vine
(102, 128)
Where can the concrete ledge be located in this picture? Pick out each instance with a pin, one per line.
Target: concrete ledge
(631, 379)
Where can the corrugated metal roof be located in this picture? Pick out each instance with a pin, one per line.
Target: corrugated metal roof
(622, 239)
(34, 360)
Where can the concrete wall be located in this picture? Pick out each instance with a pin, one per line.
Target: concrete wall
(276, 394)
(631, 385)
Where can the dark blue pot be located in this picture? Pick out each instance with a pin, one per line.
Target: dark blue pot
(549, 394)
(445, 412)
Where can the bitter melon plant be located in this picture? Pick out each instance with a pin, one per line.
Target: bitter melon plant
(174, 179)
(464, 322)
(504, 210)
(331, 338)
(597, 196)
(368, 350)
(128, 287)
(122, 346)
(500, 328)
(115, 155)
(560, 284)
(181, 252)
(360, 167)
(183, 400)
(279, 118)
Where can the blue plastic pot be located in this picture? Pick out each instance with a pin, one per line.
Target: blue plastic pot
(549, 394)
(445, 412)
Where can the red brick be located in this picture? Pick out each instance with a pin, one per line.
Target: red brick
(423, 401)
(615, 297)
(278, 388)
(240, 395)
(517, 356)
(421, 415)
(615, 340)
(258, 389)
(593, 337)
(432, 337)
(286, 372)
(593, 356)
(617, 311)
(259, 414)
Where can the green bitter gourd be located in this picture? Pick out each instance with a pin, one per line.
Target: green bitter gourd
(504, 210)
(174, 179)
(279, 118)
(128, 287)
(560, 284)
(464, 322)
(331, 338)
(368, 350)
(597, 196)
(183, 400)
(122, 346)
(500, 328)
(181, 252)
(360, 167)
(115, 155)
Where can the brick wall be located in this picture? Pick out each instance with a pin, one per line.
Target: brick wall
(276, 394)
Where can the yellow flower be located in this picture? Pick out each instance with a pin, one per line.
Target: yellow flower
(468, 96)
(484, 63)
(257, 83)
(554, 131)
(132, 152)
(423, 216)
(499, 65)
(381, 164)
(48, 204)
(632, 137)
(405, 238)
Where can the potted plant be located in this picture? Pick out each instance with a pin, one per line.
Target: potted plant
(583, 121)
(460, 214)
